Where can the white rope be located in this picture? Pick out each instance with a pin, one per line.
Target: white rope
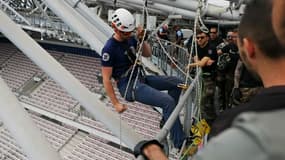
(138, 58)
(134, 66)
(204, 7)
(196, 114)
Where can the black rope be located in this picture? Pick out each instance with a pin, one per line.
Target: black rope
(76, 4)
(115, 4)
(145, 3)
(145, 14)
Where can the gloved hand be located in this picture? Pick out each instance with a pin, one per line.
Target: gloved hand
(138, 150)
(236, 95)
(140, 34)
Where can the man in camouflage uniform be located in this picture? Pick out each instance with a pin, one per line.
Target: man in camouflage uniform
(245, 85)
(228, 57)
(208, 54)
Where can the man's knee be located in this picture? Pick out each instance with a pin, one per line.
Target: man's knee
(167, 101)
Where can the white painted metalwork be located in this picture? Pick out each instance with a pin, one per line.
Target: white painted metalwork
(92, 18)
(79, 24)
(214, 8)
(15, 12)
(21, 126)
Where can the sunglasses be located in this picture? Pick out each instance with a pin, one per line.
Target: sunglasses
(125, 33)
(230, 37)
(200, 37)
(213, 32)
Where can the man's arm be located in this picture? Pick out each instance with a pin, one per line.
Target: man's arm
(146, 49)
(106, 74)
(205, 61)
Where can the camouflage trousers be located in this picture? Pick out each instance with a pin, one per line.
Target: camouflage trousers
(208, 110)
(225, 86)
(248, 93)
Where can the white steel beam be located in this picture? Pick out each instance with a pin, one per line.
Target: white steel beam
(39, 6)
(91, 17)
(218, 10)
(222, 22)
(15, 12)
(187, 8)
(160, 7)
(21, 126)
(166, 8)
(137, 7)
(79, 24)
(70, 122)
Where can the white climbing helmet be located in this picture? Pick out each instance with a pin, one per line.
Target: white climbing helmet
(123, 20)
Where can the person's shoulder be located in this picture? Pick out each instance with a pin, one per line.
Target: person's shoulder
(225, 119)
(270, 121)
(233, 144)
(109, 45)
(110, 42)
(265, 129)
(179, 31)
(252, 136)
(133, 40)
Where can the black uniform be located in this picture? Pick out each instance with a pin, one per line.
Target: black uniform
(247, 80)
(248, 86)
(232, 50)
(216, 41)
(208, 51)
(209, 72)
(225, 74)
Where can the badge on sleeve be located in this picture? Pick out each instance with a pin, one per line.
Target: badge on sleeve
(106, 57)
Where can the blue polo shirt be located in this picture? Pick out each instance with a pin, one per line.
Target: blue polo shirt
(115, 54)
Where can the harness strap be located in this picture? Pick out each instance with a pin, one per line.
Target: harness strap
(140, 73)
(130, 53)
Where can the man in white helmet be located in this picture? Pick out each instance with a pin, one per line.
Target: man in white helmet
(118, 60)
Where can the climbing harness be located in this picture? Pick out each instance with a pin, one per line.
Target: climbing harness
(199, 130)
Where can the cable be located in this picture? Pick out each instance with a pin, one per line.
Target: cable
(115, 4)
